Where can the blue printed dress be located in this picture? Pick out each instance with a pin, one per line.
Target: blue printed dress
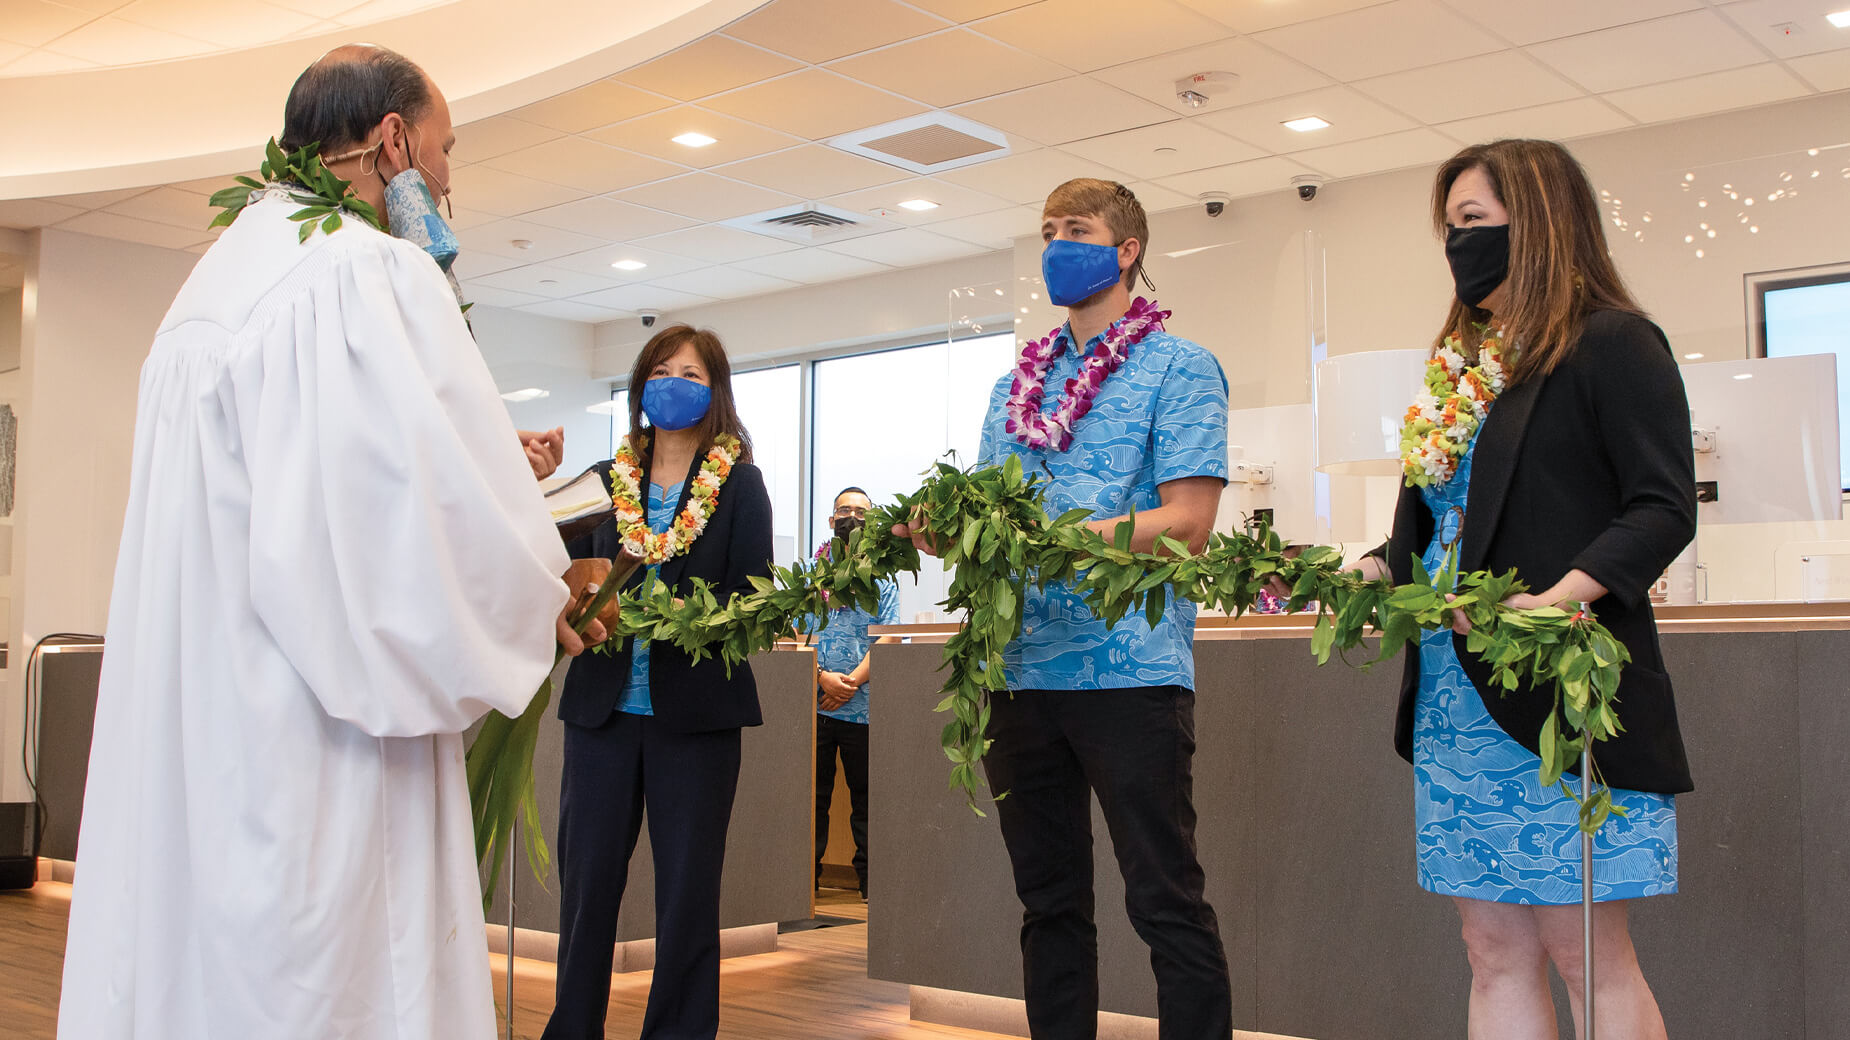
(636, 699)
(1485, 827)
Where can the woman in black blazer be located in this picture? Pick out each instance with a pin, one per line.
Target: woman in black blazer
(644, 725)
(1580, 476)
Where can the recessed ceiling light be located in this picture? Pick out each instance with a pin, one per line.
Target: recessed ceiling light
(1306, 124)
(629, 265)
(1841, 19)
(1745, 375)
(694, 140)
(532, 393)
(1693, 357)
(918, 205)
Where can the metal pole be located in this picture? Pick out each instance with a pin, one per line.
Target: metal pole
(512, 844)
(1586, 899)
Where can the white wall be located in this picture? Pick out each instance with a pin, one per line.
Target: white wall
(92, 306)
(529, 350)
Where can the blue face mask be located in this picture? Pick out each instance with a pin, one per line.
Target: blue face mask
(673, 403)
(412, 214)
(1074, 271)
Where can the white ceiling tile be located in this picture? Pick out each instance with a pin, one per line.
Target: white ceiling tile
(823, 30)
(1065, 110)
(35, 23)
(129, 229)
(733, 139)
(1432, 94)
(724, 283)
(1560, 121)
(597, 262)
(954, 200)
(905, 247)
(1258, 177)
(9, 51)
(1828, 71)
(546, 280)
(1264, 74)
(99, 199)
(1167, 148)
(813, 171)
(1676, 47)
(598, 104)
(381, 10)
(472, 263)
(968, 10)
(497, 135)
(1374, 41)
(572, 310)
(210, 186)
(198, 250)
(31, 213)
(247, 23)
(583, 164)
(814, 104)
(709, 65)
(1418, 147)
(1523, 22)
(169, 206)
(633, 298)
(106, 6)
(45, 63)
(461, 218)
(920, 68)
(812, 266)
(1029, 176)
(545, 243)
(703, 196)
(1251, 16)
(489, 296)
(1156, 198)
(1811, 33)
(608, 219)
(1351, 117)
(1091, 34)
(505, 194)
(716, 244)
(112, 41)
(996, 230)
(1715, 92)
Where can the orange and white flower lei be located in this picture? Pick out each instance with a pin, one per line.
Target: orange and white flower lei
(633, 515)
(1438, 428)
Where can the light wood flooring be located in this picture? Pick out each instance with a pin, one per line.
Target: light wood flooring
(814, 987)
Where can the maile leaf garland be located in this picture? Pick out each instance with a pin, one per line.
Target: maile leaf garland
(302, 176)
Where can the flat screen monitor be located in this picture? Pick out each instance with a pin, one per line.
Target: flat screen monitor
(1805, 311)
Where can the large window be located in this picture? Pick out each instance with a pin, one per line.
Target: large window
(1807, 311)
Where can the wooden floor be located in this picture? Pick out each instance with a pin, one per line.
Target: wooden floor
(815, 987)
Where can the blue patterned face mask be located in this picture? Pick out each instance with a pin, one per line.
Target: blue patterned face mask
(1073, 271)
(412, 214)
(673, 403)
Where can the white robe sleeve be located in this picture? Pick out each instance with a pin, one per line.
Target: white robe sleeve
(401, 554)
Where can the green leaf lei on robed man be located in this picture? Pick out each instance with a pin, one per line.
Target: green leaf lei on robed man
(300, 173)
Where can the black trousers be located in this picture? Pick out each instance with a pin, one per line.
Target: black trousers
(1135, 748)
(849, 739)
(686, 781)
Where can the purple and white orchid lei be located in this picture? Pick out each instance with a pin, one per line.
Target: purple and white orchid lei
(1040, 430)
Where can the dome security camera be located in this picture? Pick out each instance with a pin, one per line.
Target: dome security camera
(648, 318)
(1214, 202)
(1307, 185)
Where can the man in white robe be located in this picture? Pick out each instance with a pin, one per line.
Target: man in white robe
(334, 560)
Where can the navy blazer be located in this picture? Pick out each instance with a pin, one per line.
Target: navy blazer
(686, 697)
(1589, 468)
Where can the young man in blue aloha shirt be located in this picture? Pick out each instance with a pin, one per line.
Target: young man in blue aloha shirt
(1097, 709)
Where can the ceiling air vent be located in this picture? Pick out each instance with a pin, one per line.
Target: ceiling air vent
(810, 224)
(925, 144)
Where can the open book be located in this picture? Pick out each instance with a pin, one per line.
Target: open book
(580, 504)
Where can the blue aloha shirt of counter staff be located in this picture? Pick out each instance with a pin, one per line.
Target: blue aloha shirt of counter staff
(1161, 416)
(844, 642)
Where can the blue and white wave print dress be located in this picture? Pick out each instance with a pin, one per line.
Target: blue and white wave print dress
(1485, 827)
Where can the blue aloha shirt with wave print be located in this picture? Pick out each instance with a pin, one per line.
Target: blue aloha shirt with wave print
(1161, 416)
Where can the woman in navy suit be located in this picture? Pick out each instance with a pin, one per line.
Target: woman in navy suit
(645, 726)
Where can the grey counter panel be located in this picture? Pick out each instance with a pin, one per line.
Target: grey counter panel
(1306, 837)
(769, 851)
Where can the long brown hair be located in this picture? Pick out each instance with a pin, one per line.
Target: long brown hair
(1560, 270)
(722, 416)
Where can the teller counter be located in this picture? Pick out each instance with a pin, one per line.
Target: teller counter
(1306, 835)
(769, 850)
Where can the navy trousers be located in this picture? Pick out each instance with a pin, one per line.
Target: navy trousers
(1135, 748)
(685, 782)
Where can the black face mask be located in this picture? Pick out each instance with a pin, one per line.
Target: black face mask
(1480, 260)
(847, 525)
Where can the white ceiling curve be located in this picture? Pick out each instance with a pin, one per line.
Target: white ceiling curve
(201, 116)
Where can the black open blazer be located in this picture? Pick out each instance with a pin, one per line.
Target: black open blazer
(1588, 468)
(686, 697)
